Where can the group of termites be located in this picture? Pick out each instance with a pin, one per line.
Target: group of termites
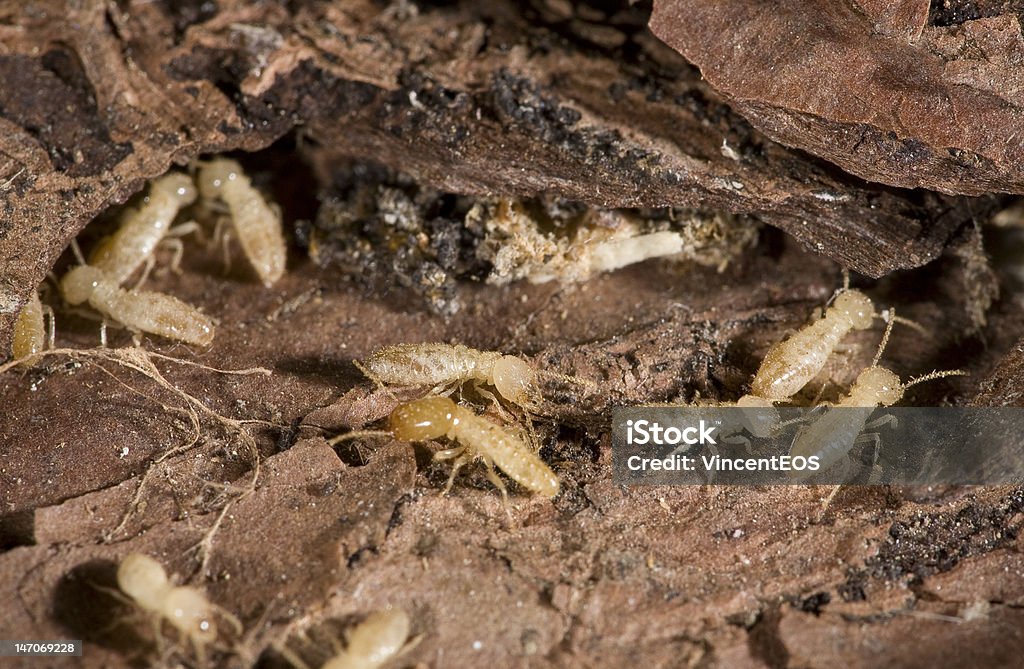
(505, 381)
(382, 635)
(143, 582)
(100, 281)
(793, 363)
(445, 367)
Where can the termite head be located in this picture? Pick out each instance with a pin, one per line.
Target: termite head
(78, 284)
(143, 579)
(379, 637)
(857, 307)
(754, 402)
(877, 386)
(178, 186)
(214, 174)
(428, 418)
(515, 380)
(762, 423)
(190, 612)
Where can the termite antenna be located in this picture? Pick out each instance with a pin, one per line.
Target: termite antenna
(885, 339)
(357, 434)
(839, 291)
(77, 251)
(890, 315)
(195, 164)
(933, 376)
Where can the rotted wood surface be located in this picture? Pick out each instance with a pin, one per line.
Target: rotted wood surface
(915, 94)
(508, 98)
(97, 461)
(599, 577)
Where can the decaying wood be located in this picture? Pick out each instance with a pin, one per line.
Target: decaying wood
(473, 97)
(725, 575)
(97, 460)
(885, 90)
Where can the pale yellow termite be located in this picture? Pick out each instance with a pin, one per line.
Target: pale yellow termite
(185, 608)
(30, 334)
(434, 417)
(373, 642)
(446, 365)
(145, 311)
(256, 223)
(791, 364)
(831, 437)
(120, 254)
(794, 362)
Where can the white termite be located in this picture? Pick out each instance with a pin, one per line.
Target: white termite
(443, 366)
(142, 229)
(30, 333)
(832, 436)
(382, 636)
(477, 438)
(185, 608)
(257, 224)
(795, 361)
(145, 311)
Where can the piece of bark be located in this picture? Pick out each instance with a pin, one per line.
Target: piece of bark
(1005, 385)
(473, 98)
(868, 85)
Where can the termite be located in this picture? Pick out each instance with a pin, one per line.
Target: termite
(185, 608)
(379, 638)
(445, 365)
(120, 254)
(832, 436)
(434, 417)
(795, 361)
(30, 333)
(141, 310)
(257, 224)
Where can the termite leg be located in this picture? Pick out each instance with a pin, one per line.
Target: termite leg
(148, 264)
(173, 240)
(370, 375)
(51, 331)
(831, 496)
(876, 445)
(186, 228)
(461, 458)
(488, 395)
(290, 656)
(446, 388)
(231, 618)
(222, 238)
(158, 635)
(888, 418)
(493, 477)
(177, 253)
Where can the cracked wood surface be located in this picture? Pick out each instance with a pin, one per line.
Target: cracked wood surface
(915, 94)
(601, 576)
(506, 98)
(476, 100)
